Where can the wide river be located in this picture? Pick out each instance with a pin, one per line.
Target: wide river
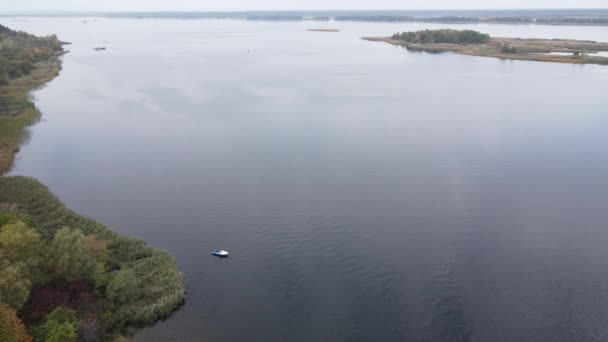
(365, 193)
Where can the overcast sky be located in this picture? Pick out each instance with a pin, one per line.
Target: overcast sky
(241, 5)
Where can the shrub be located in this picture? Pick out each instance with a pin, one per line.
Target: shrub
(123, 288)
(59, 326)
(506, 48)
(7, 218)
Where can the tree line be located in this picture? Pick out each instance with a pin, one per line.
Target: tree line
(443, 36)
(19, 52)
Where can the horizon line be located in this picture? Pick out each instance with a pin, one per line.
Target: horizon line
(305, 10)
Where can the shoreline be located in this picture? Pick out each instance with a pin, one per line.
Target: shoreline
(21, 111)
(160, 285)
(536, 50)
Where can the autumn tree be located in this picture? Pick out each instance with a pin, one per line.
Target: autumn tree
(11, 327)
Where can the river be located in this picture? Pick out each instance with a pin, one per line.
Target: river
(365, 193)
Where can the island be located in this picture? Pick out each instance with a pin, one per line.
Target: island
(277, 17)
(468, 42)
(64, 277)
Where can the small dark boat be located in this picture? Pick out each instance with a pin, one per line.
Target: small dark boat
(102, 48)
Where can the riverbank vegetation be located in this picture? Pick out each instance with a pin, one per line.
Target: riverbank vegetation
(26, 63)
(473, 43)
(52, 258)
(20, 51)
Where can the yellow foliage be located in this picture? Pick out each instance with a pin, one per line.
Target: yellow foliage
(11, 327)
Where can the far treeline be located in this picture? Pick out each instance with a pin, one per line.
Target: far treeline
(443, 37)
(19, 52)
(453, 19)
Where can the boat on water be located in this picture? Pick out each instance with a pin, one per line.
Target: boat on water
(101, 48)
(220, 253)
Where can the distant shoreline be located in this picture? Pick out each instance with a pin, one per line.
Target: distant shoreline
(323, 30)
(538, 50)
(572, 17)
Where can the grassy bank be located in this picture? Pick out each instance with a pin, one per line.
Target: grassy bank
(540, 50)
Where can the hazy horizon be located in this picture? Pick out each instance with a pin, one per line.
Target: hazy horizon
(582, 11)
(13, 6)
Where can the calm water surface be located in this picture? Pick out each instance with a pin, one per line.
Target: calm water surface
(365, 193)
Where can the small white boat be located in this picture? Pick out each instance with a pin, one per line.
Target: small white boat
(220, 253)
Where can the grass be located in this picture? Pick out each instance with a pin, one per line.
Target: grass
(13, 133)
(161, 286)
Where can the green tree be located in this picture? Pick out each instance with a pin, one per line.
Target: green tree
(60, 332)
(69, 256)
(20, 244)
(14, 285)
(59, 326)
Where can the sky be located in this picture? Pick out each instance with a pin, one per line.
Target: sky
(244, 5)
